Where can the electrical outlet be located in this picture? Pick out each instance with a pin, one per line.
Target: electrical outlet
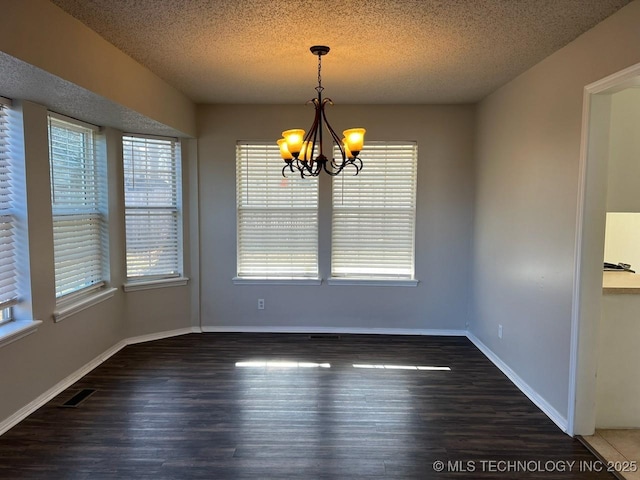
(261, 304)
(499, 331)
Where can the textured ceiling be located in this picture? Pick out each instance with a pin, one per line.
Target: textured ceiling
(24, 81)
(382, 51)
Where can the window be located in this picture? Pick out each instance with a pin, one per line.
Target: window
(8, 287)
(77, 197)
(152, 183)
(277, 217)
(373, 219)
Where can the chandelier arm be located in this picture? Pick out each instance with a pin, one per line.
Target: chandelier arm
(288, 165)
(320, 162)
(334, 135)
(357, 164)
(319, 113)
(311, 134)
(309, 166)
(317, 140)
(335, 169)
(304, 169)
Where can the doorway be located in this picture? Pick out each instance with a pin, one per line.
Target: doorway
(590, 332)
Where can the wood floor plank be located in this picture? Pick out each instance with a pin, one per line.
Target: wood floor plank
(180, 408)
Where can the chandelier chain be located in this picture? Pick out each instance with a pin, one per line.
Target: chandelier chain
(319, 88)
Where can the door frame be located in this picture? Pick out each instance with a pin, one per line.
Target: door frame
(589, 247)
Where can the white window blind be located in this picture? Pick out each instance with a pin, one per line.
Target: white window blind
(76, 197)
(8, 282)
(152, 182)
(277, 216)
(373, 218)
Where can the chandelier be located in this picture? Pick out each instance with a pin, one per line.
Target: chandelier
(297, 148)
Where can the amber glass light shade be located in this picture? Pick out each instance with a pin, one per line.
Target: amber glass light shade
(284, 151)
(347, 152)
(294, 140)
(306, 151)
(354, 139)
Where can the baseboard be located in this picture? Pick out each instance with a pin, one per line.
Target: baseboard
(334, 330)
(61, 386)
(160, 335)
(540, 402)
(58, 388)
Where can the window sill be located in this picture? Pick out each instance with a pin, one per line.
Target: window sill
(373, 282)
(65, 310)
(276, 281)
(152, 284)
(17, 329)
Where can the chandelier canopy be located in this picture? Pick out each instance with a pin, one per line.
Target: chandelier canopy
(297, 148)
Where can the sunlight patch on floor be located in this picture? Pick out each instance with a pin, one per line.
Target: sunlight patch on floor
(400, 367)
(282, 364)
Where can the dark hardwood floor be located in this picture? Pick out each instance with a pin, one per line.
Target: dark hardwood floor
(180, 408)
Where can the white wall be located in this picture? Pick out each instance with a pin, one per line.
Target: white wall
(618, 378)
(176, 307)
(42, 359)
(41, 34)
(622, 239)
(623, 192)
(37, 362)
(618, 387)
(525, 195)
(527, 163)
(443, 229)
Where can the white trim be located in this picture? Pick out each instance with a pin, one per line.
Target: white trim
(540, 402)
(160, 335)
(9, 303)
(17, 329)
(61, 386)
(74, 121)
(577, 265)
(618, 80)
(58, 388)
(151, 137)
(332, 330)
(152, 284)
(66, 311)
(374, 282)
(276, 281)
(71, 298)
